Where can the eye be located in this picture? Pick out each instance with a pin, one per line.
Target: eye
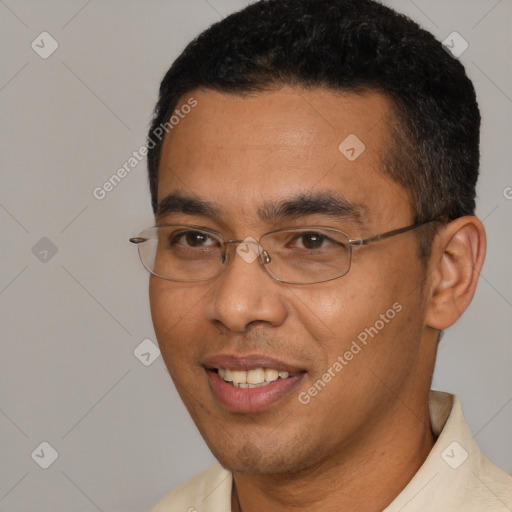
(310, 240)
(193, 239)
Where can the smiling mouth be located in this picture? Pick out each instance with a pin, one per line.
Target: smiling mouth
(251, 384)
(255, 378)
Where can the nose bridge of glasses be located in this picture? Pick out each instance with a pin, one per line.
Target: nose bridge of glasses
(249, 249)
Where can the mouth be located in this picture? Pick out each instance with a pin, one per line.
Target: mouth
(257, 378)
(251, 384)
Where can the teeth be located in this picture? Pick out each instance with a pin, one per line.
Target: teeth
(238, 377)
(256, 378)
(225, 374)
(262, 385)
(271, 375)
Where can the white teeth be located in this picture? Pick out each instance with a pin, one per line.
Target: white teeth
(238, 377)
(225, 374)
(271, 375)
(255, 378)
(262, 385)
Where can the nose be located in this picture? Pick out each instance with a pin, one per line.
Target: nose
(246, 295)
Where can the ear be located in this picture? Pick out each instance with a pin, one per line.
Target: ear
(458, 253)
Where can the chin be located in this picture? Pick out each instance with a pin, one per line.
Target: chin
(245, 456)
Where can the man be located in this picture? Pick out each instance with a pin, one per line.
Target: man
(315, 233)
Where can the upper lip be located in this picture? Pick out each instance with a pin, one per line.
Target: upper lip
(248, 362)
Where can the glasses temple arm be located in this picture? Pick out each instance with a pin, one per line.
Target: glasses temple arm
(388, 234)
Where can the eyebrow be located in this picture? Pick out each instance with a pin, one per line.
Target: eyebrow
(326, 203)
(186, 204)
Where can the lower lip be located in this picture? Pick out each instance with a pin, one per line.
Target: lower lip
(251, 399)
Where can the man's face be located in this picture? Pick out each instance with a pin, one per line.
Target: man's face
(248, 155)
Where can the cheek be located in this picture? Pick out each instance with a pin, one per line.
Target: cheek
(171, 302)
(336, 314)
(162, 302)
(366, 305)
(173, 310)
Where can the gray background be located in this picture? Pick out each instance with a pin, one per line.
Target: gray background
(70, 321)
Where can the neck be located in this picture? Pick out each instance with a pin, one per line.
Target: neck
(365, 475)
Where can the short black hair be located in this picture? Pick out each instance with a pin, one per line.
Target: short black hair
(354, 46)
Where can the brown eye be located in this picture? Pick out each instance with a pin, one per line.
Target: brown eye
(192, 239)
(310, 241)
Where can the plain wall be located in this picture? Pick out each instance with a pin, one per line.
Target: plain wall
(73, 295)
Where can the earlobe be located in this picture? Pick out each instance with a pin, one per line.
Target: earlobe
(457, 257)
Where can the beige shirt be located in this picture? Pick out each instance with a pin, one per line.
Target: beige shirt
(454, 477)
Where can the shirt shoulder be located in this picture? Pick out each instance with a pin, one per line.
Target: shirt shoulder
(210, 491)
(492, 487)
(456, 475)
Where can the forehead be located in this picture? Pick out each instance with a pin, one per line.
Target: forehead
(240, 150)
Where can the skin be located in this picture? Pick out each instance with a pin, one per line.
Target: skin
(357, 443)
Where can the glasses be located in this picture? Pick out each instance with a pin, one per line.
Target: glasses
(303, 255)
